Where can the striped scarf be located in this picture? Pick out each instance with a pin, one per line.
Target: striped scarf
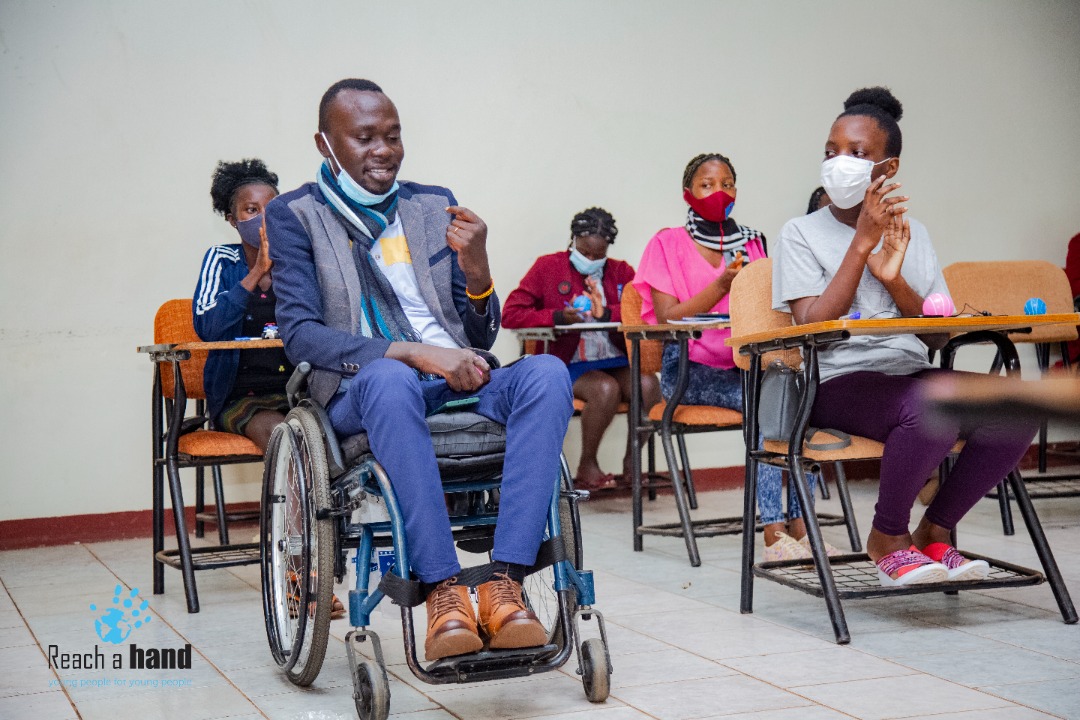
(381, 315)
(727, 237)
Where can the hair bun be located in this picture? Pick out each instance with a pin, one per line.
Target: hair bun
(880, 97)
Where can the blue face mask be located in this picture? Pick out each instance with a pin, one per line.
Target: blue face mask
(249, 230)
(352, 188)
(584, 265)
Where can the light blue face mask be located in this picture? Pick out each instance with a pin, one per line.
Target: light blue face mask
(352, 188)
(584, 265)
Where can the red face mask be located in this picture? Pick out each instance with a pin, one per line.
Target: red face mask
(714, 208)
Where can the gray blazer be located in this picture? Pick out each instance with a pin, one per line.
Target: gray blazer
(318, 290)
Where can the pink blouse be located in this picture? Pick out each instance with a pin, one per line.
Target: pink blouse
(672, 264)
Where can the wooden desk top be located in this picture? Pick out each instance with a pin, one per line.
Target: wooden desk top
(909, 326)
(969, 395)
(219, 345)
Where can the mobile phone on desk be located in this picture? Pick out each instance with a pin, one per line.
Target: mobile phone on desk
(455, 405)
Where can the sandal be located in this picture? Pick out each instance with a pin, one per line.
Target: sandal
(911, 568)
(606, 482)
(959, 567)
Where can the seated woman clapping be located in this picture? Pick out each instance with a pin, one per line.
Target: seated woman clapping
(863, 254)
(688, 270)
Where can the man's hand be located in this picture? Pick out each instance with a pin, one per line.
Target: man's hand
(467, 236)
(463, 370)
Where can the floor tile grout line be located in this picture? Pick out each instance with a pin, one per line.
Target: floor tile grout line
(37, 644)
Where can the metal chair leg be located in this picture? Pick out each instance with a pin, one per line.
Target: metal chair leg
(823, 486)
(1007, 526)
(821, 558)
(652, 465)
(182, 541)
(219, 502)
(681, 501)
(849, 512)
(1042, 548)
(200, 501)
(688, 474)
(746, 600)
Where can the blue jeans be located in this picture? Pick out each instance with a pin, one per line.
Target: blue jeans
(532, 398)
(723, 388)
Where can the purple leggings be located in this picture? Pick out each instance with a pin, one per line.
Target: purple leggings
(891, 410)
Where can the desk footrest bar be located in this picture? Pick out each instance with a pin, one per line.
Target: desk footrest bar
(856, 577)
(720, 526)
(213, 557)
(210, 516)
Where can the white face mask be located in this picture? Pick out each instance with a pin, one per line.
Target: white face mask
(845, 179)
(350, 187)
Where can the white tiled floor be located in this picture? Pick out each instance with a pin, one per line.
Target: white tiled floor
(680, 647)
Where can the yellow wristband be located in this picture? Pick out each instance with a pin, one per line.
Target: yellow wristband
(481, 296)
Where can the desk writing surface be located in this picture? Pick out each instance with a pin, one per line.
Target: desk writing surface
(909, 326)
(218, 345)
(674, 327)
(578, 327)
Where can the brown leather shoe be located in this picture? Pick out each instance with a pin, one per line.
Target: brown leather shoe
(504, 619)
(451, 626)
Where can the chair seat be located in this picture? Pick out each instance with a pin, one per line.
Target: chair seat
(579, 405)
(213, 443)
(452, 434)
(698, 415)
(861, 448)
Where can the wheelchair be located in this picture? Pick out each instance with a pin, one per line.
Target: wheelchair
(313, 513)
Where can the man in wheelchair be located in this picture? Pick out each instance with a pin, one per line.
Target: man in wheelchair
(384, 288)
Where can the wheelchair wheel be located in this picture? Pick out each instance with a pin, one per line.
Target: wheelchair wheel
(371, 691)
(297, 547)
(539, 587)
(595, 670)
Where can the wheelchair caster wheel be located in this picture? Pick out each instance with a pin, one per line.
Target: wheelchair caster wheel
(371, 691)
(595, 670)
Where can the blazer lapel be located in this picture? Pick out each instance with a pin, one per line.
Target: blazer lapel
(421, 247)
(338, 239)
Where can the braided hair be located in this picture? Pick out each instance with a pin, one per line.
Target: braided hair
(694, 165)
(594, 221)
(815, 200)
(231, 176)
(878, 103)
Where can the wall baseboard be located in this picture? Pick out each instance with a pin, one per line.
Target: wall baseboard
(102, 527)
(41, 532)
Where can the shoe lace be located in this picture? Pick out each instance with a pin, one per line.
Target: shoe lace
(505, 590)
(445, 600)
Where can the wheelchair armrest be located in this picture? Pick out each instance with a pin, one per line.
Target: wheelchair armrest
(296, 387)
(1005, 347)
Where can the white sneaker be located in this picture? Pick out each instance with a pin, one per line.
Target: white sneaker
(786, 548)
(829, 549)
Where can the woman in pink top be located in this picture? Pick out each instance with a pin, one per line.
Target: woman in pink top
(687, 271)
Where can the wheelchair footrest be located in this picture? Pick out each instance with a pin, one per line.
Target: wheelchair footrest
(721, 526)
(214, 556)
(492, 664)
(856, 577)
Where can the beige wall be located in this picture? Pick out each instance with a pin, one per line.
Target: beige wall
(114, 113)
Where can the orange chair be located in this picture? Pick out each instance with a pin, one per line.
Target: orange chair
(183, 442)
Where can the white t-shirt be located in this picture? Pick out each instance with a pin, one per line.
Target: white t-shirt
(806, 259)
(391, 254)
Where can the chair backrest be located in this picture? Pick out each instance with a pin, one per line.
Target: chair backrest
(173, 324)
(652, 351)
(750, 307)
(1001, 287)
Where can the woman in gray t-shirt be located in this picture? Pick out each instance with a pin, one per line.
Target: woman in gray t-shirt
(861, 254)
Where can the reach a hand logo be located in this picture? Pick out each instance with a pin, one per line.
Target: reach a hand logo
(117, 621)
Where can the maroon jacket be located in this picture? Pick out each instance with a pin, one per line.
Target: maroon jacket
(550, 284)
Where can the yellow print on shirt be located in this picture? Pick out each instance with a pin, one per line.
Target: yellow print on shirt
(395, 250)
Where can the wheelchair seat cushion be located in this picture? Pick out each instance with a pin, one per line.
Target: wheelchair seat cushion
(460, 434)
